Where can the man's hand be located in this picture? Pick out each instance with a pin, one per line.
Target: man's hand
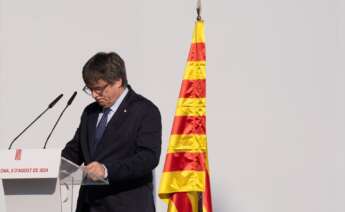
(95, 171)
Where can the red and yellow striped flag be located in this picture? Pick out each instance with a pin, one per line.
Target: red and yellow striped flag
(185, 184)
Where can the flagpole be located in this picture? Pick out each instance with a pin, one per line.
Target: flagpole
(198, 10)
(199, 194)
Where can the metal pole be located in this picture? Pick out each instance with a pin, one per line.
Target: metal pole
(198, 10)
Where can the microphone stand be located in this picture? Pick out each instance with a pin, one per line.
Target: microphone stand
(51, 132)
(39, 116)
(57, 121)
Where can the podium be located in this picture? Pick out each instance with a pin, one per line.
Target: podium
(40, 180)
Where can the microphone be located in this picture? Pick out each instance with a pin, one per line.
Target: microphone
(55, 101)
(57, 121)
(39, 116)
(72, 98)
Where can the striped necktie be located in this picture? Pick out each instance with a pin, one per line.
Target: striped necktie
(101, 126)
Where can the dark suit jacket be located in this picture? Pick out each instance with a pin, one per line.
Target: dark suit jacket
(130, 149)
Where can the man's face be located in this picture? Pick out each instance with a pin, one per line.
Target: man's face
(105, 93)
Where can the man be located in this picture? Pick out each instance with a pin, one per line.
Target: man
(119, 139)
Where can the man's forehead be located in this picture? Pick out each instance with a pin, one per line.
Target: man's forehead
(97, 83)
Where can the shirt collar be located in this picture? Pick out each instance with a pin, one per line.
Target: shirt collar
(119, 100)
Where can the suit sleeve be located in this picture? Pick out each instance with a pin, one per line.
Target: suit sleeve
(72, 150)
(146, 157)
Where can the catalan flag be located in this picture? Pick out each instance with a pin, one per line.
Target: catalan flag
(185, 184)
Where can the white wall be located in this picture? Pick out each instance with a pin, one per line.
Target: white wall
(276, 86)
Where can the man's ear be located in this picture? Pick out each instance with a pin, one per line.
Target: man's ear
(118, 83)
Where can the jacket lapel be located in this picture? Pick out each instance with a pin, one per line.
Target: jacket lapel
(91, 129)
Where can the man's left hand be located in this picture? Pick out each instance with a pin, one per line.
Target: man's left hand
(95, 170)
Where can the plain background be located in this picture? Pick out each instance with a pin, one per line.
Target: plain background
(275, 86)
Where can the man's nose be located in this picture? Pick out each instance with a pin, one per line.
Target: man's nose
(94, 94)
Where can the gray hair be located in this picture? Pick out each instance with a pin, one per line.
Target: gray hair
(105, 66)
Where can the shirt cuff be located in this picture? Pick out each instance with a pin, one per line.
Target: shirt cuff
(105, 171)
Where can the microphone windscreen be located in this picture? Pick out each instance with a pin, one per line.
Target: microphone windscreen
(72, 98)
(55, 101)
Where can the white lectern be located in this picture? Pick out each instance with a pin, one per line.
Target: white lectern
(39, 180)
